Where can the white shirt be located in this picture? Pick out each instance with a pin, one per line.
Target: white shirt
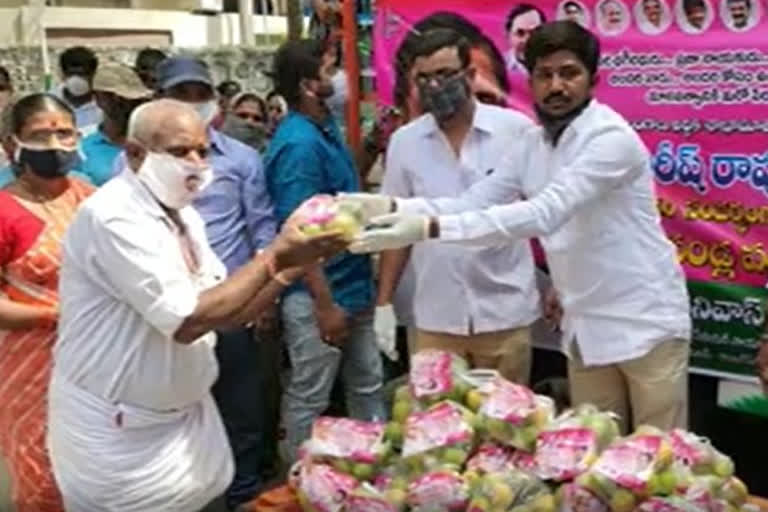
(125, 290)
(591, 203)
(462, 289)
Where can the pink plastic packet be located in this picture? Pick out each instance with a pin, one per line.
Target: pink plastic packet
(437, 375)
(440, 490)
(509, 402)
(631, 462)
(325, 489)
(490, 458)
(443, 425)
(354, 440)
(564, 454)
(574, 498)
(322, 213)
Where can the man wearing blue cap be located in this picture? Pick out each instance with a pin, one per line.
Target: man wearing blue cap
(237, 211)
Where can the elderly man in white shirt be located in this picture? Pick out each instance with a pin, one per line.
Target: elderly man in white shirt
(132, 425)
(590, 199)
(475, 302)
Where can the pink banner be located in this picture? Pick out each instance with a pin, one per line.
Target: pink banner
(691, 76)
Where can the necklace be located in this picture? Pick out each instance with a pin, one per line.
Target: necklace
(52, 209)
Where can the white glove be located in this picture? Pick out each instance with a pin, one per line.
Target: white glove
(385, 326)
(369, 205)
(393, 231)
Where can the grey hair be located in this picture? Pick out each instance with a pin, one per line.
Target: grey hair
(151, 120)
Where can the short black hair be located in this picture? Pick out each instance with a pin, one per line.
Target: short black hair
(78, 57)
(228, 88)
(571, 3)
(439, 38)
(521, 9)
(4, 74)
(458, 23)
(690, 5)
(748, 2)
(151, 56)
(563, 35)
(296, 61)
(30, 105)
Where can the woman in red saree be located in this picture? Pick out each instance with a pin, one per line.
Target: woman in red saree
(35, 211)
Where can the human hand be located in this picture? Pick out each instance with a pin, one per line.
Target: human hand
(292, 248)
(553, 310)
(48, 318)
(267, 322)
(393, 231)
(332, 323)
(385, 327)
(370, 206)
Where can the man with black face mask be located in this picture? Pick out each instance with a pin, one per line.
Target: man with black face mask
(118, 91)
(588, 184)
(327, 321)
(457, 143)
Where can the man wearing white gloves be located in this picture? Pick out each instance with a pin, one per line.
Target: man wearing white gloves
(475, 302)
(589, 188)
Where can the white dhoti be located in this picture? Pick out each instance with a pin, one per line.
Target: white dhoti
(118, 458)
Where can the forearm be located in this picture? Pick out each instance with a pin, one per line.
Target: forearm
(498, 224)
(219, 306)
(258, 304)
(318, 286)
(16, 316)
(391, 266)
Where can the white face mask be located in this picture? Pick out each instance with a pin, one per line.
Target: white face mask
(174, 182)
(77, 85)
(207, 110)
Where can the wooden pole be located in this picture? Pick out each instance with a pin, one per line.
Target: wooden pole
(352, 67)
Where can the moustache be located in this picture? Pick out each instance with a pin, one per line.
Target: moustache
(556, 97)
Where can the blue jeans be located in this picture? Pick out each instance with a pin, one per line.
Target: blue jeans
(239, 394)
(314, 366)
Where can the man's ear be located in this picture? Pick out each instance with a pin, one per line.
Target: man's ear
(595, 80)
(135, 154)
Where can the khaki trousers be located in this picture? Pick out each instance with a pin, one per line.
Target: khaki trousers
(649, 390)
(507, 351)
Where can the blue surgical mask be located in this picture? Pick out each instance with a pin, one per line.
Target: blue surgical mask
(206, 110)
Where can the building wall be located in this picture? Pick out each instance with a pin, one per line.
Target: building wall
(116, 35)
(244, 65)
(24, 26)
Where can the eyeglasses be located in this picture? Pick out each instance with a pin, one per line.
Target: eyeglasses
(438, 76)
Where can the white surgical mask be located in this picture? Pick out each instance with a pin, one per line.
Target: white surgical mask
(77, 85)
(206, 110)
(174, 182)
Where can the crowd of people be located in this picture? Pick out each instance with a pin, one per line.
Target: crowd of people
(152, 269)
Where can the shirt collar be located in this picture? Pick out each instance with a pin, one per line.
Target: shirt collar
(482, 120)
(216, 138)
(582, 121)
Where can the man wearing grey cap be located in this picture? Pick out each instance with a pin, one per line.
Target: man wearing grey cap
(239, 221)
(118, 91)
